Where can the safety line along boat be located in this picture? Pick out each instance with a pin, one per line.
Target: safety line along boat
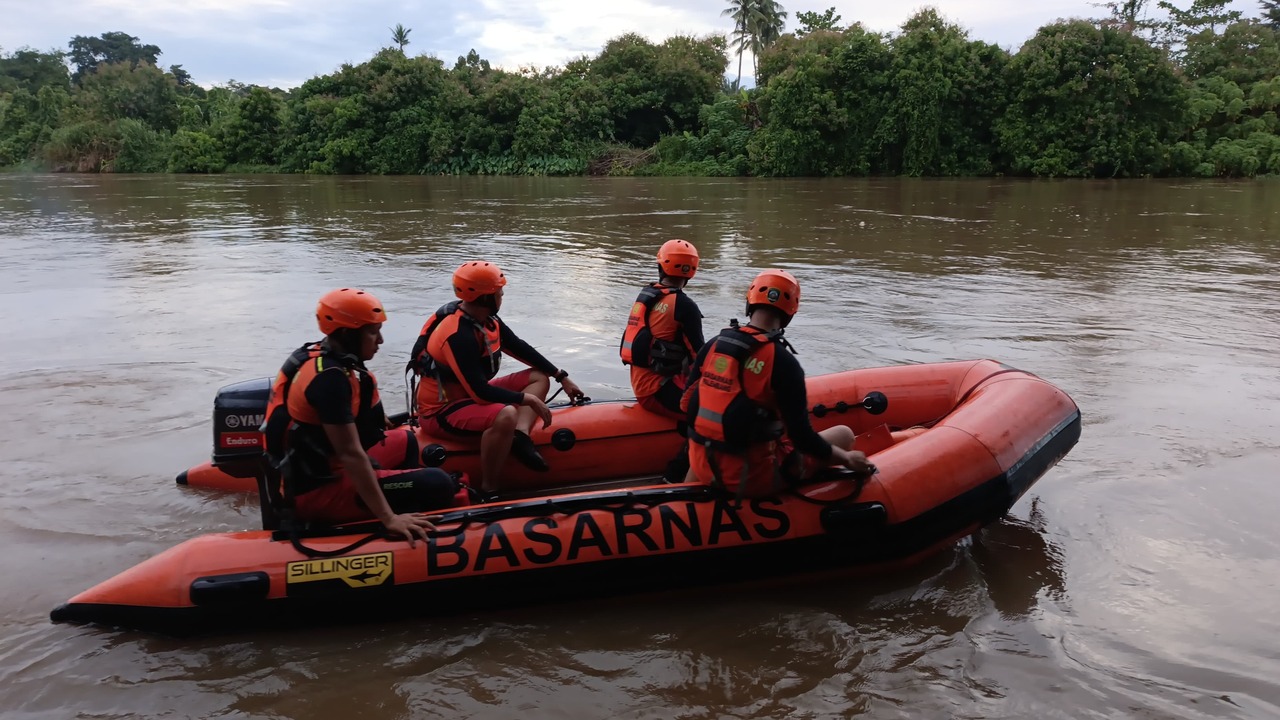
(956, 445)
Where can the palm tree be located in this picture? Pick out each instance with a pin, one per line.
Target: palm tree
(740, 11)
(400, 36)
(770, 19)
(757, 25)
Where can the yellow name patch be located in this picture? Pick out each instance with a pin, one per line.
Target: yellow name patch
(356, 571)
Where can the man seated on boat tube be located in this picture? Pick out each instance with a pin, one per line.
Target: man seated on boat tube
(749, 414)
(326, 428)
(456, 361)
(663, 334)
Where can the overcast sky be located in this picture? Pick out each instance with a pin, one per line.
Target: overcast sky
(284, 42)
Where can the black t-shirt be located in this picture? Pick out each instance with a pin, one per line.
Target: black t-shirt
(466, 351)
(690, 318)
(330, 394)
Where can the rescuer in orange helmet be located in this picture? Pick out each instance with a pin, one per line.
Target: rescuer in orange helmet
(325, 428)
(750, 433)
(460, 395)
(663, 333)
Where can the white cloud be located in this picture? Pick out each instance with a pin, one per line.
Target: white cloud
(552, 32)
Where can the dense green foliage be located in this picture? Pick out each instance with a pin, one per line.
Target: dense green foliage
(1196, 94)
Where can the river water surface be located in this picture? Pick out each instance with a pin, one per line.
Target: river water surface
(1138, 578)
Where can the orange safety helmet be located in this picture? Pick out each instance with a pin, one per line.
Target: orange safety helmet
(777, 289)
(476, 279)
(348, 308)
(678, 258)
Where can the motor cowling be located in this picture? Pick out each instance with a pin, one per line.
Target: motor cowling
(238, 412)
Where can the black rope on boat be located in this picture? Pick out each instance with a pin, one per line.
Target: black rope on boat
(295, 539)
(858, 479)
(465, 518)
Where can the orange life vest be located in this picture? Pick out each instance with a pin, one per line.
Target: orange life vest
(292, 430)
(429, 359)
(733, 405)
(734, 411)
(654, 342)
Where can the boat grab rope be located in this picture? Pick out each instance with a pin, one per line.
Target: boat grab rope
(615, 504)
(859, 481)
(295, 539)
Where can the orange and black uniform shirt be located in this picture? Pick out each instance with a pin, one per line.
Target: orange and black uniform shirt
(781, 390)
(466, 356)
(674, 317)
(319, 387)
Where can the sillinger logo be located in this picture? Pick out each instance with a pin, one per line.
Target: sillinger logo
(356, 571)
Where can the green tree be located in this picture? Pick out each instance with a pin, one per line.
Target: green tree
(813, 21)
(652, 89)
(192, 151)
(944, 95)
(181, 77)
(31, 70)
(251, 136)
(821, 100)
(1271, 13)
(123, 90)
(1202, 16)
(400, 36)
(28, 121)
(1233, 128)
(1245, 53)
(87, 53)
(1090, 101)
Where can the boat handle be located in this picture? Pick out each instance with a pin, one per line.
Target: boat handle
(874, 403)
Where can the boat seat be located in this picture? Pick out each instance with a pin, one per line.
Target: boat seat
(874, 440)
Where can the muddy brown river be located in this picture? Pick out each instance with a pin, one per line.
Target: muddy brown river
(1138, 578)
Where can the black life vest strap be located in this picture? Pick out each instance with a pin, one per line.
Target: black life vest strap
(420, 361)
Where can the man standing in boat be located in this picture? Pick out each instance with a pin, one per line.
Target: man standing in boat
(325, 429)
(748, 406)
(663, 334)
(459, 395)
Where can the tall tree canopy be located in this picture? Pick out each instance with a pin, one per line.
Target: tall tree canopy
(87, 53)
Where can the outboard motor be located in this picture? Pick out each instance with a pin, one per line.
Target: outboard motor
(238, 411)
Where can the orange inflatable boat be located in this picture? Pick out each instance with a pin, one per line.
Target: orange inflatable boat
(956, 445)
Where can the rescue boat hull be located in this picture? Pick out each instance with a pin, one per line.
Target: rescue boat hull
(983, 434)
